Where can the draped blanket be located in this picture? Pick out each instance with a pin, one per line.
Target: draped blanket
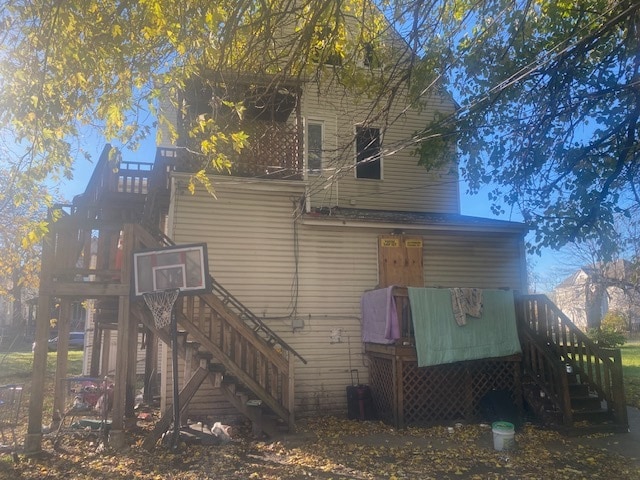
(439, 339)
(379, 316)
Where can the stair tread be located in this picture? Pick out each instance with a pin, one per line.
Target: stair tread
(590, 410)
(236, 386)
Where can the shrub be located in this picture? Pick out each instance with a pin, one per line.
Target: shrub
(606, 337)
(615, 321)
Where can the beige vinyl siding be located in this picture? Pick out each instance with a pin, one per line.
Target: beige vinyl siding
(248, 229)
(250, 239)
(405, 186)
(474, 260)
(250, 234)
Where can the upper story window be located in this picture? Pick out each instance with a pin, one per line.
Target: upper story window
(314, 147)
(371, 58)
(368, 153)
(323, 51)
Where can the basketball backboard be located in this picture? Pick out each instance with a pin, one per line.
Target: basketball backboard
(182, 267)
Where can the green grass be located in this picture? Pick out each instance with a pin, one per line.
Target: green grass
(631, 371)
(15, 367)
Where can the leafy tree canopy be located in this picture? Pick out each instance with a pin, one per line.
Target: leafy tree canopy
(549, 90)
(549, 95)
(20, 228)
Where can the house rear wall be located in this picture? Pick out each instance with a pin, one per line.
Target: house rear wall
(404, 186)
(254, 243)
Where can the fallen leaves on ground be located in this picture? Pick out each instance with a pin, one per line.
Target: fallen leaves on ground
(632, 390)
(333, 448)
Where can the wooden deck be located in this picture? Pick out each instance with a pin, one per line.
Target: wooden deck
(405, 394)
(561, 376)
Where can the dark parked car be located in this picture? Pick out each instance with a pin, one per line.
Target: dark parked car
(76, 342)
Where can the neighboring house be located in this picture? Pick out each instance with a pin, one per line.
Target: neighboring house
(612, 288)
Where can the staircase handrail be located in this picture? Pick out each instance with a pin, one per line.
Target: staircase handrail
(600, 367)
(567, 326)
(547, 372)
(258, 325)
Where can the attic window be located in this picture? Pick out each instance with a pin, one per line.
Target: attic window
(370, 58)
(368, 153)
(324, 51)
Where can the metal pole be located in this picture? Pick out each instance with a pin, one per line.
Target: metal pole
(175, 438)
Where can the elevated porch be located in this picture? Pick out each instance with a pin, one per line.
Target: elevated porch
(561, 378)
(271, 118)
(88, 254)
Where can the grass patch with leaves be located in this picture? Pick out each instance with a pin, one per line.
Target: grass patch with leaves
(631, 371)
(330, 448)
(16, 367)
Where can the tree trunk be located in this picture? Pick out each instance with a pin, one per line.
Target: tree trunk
(594, 297)
(16, 293)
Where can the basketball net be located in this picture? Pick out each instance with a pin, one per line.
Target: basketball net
(161, 303)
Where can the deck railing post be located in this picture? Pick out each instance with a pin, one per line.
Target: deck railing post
(291, 393)
(618, 389)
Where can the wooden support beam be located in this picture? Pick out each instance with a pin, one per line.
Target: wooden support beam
(120, 380)
(150, 365)
(86, 289)
(64, 322)
(132, 353)
(122, 359)
(106, 351)
(33, 439)
(185, 396)
(96, 349)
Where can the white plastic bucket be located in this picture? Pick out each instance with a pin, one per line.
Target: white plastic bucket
(503, 436)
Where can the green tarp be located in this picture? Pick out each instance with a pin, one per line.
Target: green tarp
(440, 340)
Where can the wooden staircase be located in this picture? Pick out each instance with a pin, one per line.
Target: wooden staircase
(87, 254)
(569, 382)
(223, 341)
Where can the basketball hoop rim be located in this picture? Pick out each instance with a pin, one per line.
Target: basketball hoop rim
(161, 303)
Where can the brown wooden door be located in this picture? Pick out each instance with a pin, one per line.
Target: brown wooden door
(400, 261)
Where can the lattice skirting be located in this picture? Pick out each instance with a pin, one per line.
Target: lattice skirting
(407, 395)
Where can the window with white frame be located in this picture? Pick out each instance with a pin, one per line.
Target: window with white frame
(314, 147)
(368, 153)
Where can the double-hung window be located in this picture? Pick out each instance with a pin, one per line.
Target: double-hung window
(368, 153)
